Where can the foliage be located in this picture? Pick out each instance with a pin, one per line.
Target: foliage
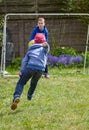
(78, 6)
(65, 60)
(60, 57)
(65, 57)
(81, 6)
(15, 65)
(64, 50)
(87, 58)
(1, 1)
(73, 6)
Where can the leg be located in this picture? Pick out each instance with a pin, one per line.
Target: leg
(26, 75)
(46, 69)
(33, 84)
(19, 87)
(46, 72)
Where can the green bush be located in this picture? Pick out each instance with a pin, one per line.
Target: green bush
(58, 51)
(64, 50)
(87, 58)
(71, 51)
(15, 65)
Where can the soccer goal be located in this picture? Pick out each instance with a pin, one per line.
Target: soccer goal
(48, 15)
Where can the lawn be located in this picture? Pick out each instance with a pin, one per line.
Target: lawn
(59, 103)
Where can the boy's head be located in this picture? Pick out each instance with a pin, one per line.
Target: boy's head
(40, 38)
(41, 23)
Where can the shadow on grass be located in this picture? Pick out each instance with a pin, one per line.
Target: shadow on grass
(14, 112)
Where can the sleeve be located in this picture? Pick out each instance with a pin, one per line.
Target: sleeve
(47, 48)
(31, 43)
(33, 34)
(24, 62)
(46, 34)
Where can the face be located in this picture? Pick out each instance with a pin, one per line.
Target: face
(41, 24)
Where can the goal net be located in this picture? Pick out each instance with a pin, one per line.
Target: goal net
(65, 30)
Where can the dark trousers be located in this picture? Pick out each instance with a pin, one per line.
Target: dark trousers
(46, 70)
(26, 75)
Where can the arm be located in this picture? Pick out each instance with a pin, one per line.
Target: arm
(31, 43)
(32, 34)
(46, 46)
(31, 39)
(24, 62)
(46, 34)
(23, 65)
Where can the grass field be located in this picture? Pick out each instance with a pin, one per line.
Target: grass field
(59, 103)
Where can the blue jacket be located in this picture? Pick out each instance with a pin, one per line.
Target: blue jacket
(37, 30)
(35, 58)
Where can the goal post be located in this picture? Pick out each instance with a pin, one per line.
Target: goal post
(86, 48)
(3, 54)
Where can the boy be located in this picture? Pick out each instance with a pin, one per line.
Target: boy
(40, 28)
(33, 65)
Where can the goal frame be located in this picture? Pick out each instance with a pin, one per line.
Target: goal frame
(3, 54)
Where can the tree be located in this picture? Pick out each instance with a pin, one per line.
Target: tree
(78, 6)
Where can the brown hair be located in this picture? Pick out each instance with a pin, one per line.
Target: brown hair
(41, 19)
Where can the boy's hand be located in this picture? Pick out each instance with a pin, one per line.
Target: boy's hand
(19, 73)
(31, 42)
(45, 44)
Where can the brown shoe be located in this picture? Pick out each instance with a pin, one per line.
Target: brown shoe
(14, 104)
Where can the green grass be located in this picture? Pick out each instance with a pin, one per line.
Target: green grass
(59, 103)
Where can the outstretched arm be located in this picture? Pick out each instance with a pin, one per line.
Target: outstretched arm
(31, 43)
(45, 44)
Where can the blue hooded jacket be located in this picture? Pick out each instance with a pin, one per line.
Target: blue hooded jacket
(36, 57)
